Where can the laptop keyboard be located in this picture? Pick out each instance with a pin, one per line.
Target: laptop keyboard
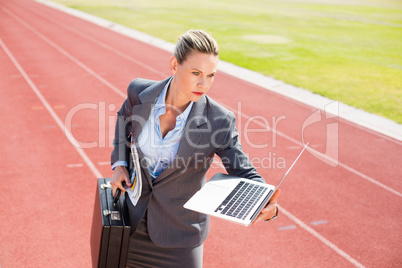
(241, 200)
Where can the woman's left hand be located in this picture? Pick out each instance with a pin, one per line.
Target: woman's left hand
(270, 210)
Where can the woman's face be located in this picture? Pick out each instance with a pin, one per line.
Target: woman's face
(194, 76)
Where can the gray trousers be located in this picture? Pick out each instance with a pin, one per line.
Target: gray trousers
(144, 253)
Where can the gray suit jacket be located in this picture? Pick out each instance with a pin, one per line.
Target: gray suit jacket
(210, 130)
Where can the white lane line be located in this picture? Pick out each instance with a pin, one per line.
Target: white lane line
(65, 53)
(148, 67)
(299, 222)
(379, 126)
(288, 227)
(319, 222)
(104, 163)
(75, 165)
(318, 154)
(371, 179)
(230, 108)
(68, 134)
(118, 52)
(320, 237)
(101, 44)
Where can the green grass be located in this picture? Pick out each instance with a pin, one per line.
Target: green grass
(349, 51)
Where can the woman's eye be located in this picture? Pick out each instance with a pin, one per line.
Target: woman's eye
(211, 75)
(196, 73)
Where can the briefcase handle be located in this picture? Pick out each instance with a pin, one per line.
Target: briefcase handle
(118, 192)
(116, 198)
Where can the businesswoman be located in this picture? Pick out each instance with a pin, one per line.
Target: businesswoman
(177, 129)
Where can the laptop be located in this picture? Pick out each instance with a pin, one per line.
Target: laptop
(233, 198)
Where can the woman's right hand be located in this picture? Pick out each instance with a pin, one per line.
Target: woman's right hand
(120, 175)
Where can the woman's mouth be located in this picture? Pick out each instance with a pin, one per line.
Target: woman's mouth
(199, 93)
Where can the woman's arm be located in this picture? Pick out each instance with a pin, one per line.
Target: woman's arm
(235, 161)
(120, 157)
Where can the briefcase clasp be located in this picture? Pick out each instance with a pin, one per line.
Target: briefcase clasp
(106, 185)
(114, 215)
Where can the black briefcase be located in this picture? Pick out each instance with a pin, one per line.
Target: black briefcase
(110, 234)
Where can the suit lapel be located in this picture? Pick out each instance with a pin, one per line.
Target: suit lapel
(190, 140)
(139, 116)
(141, 111)
(191, 134)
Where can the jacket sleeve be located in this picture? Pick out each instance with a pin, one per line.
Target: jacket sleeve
(121, 142)
(235, 161)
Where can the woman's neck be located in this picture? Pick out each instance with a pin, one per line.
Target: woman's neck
(174, 100)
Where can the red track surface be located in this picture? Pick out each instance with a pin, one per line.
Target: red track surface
(52, 64)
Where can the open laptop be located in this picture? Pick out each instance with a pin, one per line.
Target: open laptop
(233, 198)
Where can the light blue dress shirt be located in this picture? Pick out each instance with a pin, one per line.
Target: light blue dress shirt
(160, 152)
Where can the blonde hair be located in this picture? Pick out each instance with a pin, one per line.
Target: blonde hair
(195, 40)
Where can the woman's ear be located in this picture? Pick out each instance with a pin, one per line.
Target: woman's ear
(173, 64)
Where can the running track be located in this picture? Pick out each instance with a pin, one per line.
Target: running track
(62, 81)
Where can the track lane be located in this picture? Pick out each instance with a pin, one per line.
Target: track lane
(44, 220)
(373, 179)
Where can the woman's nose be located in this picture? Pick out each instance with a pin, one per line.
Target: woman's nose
(202, 82)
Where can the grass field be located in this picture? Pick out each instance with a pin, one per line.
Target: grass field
(349, 51)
